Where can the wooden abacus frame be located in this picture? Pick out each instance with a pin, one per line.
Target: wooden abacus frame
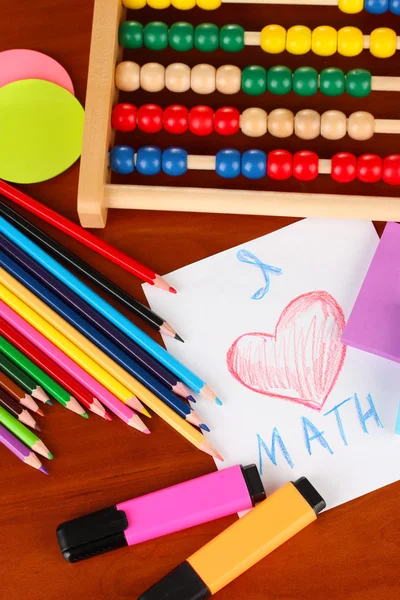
(97, 194)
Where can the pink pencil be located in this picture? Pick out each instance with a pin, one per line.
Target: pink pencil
(99, 391)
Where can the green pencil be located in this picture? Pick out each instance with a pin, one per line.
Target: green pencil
(48, 383)
(24, 381)
(23, 433)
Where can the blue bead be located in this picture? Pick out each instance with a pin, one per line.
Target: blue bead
(174, 161)
(254, 164)
(228, 163)
(122, 160)
(394, 7)
(148, 160)
(376, 7)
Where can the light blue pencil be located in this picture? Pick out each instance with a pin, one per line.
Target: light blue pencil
(107, 310)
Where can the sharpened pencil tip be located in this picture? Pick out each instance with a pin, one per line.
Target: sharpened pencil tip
(40, 412)
(204, 426)
(43, 470)
(191, 399)
(85, 415)
(172, 290)
(146, 431)
(218, 401)
(49, 402)
(50, 456)
(36, 427)
(107, 417)
(178, 337)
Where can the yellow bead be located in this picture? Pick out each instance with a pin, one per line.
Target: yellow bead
(273, 39)
(135, 4)
(350, 41)
(298, 40)
(183, 4)
(351, 7)
(382, 42)
(208, 4)
(324, 40)
(159, 4)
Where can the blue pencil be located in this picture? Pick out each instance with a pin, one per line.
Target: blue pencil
(177, 404)
(107, 310)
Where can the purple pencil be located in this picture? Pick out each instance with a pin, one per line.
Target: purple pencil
(96, 319)
(20, 450)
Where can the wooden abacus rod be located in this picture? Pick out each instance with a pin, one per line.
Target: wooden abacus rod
(306, 124)
(254, 80)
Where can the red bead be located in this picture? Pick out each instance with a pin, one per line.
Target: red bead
(305, 165)
(280, 165)
(391, 169)
(227, 120)
(369, 168)
(176, 119)
(344, 167)
(201, 120)
(150, 118)
(123, 117)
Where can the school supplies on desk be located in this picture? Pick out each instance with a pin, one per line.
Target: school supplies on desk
(23, 433)
(10, 441)
(194, 502)
(17, 411)
(374, 323)
(266, 527)
(16, 392)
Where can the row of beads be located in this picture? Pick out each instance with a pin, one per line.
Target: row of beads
(375, 7)
(253, 80)
(307, 124)
(273, 39)
(256, 164)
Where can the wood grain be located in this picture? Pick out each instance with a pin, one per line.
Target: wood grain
(351, 553)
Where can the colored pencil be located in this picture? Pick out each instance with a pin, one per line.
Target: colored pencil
(96, 319)
(58, 250)
(17, 411)
(47, 382)
(108, 311)
(85, 237)
(16, 392)
(52, 369)
(24, 434)
(10, 441)
(22, 379)
(96, 345)
(15, 317)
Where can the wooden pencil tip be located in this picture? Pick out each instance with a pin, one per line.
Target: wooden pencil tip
(107, 416)
(178, 337)
(43, 470)
(40, 412)
(172, 290)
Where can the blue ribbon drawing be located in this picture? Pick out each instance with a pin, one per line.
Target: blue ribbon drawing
(251, 259)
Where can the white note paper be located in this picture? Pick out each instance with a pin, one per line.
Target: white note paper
(262, 324)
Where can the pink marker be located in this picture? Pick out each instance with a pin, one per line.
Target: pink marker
(175, 508)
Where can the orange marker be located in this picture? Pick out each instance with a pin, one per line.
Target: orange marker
(269, 525)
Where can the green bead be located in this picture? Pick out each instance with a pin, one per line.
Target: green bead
(254, 80)
(206, 37)
(279, 80)
(231, 38)
(358, 83)
(131, 35)
(332, 82)
(181, 36)
(305, 81)
(155, 35)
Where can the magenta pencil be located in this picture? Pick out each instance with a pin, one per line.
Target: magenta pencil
(100, 392)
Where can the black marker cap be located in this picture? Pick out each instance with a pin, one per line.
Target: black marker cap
(254, 484)
(310, 494)
(92, 534)
(182, 583)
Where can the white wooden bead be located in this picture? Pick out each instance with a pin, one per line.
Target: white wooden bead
(228, 79)
(281, 123)
(152, 77)
(254, 122)
(203, 79)
(361, 126)
(177, 77)
(333, 125)
(127, 76)
(307, 124)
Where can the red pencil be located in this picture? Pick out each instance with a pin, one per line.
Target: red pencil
(52, 369)
(84, 236)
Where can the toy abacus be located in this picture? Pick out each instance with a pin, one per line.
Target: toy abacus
(241, 110)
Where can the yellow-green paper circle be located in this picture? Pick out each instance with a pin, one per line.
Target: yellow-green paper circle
(41, 128)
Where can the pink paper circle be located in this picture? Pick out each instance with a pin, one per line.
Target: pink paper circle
(16, 65)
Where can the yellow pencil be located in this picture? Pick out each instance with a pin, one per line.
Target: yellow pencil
(158, 406)
(82, 358)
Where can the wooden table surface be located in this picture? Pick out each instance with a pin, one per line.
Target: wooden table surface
(351, 553)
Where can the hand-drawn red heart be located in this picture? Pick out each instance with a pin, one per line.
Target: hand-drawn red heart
(302, 360)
